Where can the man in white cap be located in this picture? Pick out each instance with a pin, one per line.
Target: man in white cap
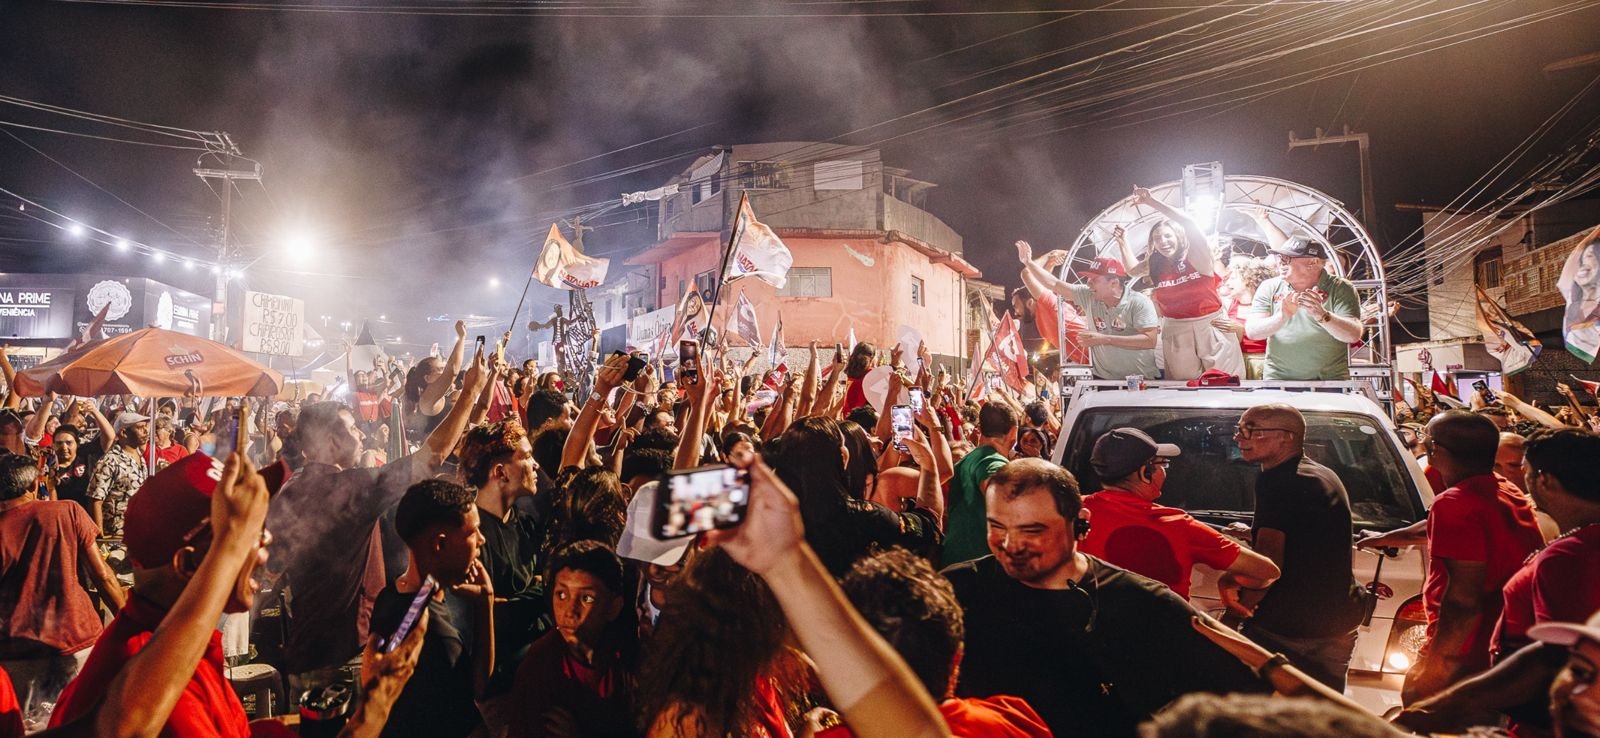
(119, 473)
(1575, 696)
(1163, 543)
(659, 561)
(1308, 316)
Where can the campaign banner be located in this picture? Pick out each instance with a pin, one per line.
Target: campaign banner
(274, 325)
(1580, 284)
(561, 265)
(757, 250)
(649, 331)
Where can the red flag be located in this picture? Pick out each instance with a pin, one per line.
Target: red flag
(1441, 387)
(1009, 355)
(1592, 387)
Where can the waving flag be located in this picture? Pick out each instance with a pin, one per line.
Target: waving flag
(562, 266)
(757, 250)
(693, 312)
(850, 340)
(745, 325)
(1009, 355)
(1580, 284)
(1509, 341)
(776, 351)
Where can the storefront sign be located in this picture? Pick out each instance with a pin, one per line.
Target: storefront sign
(35, 312)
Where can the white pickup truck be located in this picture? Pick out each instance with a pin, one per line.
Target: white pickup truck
(1345, 430)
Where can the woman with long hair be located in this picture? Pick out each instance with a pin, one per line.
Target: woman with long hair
(1244, 277)
(589, 504)
(717, 664)
(812, 459)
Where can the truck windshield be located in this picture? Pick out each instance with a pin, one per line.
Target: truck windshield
(1215, 485)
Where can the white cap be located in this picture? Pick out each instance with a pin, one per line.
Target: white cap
(637, 543)
(1566, 634)
(127, 419)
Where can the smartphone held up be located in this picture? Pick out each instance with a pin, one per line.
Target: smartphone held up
(688, 363)
(694, 501)
(900, 421)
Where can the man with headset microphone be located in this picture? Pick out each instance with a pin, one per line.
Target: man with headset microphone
(1094, 648)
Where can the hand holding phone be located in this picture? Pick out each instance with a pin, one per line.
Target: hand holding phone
(688, 363)
(900, 419)
(698, 500)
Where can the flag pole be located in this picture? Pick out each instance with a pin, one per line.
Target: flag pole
(727, 253)
(518, 312)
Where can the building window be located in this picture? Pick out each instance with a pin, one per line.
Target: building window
(916, 291)
(761, 175)
(1489, 273)
(704, 282)
(808, 282)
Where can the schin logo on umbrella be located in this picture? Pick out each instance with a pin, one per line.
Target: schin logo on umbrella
(175, 359)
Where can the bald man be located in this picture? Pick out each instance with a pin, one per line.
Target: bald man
(1480, 530)
(1508, 464)
(1303, 523)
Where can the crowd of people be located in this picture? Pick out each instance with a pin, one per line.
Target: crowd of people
(464, 547)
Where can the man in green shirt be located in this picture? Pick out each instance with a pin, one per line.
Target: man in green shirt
(1309, 317)
(966, 526)
(1121, 324)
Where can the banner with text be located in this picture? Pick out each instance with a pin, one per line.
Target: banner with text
(274, 324)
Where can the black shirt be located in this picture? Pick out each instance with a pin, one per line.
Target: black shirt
(862, 527)
(1317, 595)
(510, 553)
(1093, 660)
(322, 523)
(437, 702)
(72, 480)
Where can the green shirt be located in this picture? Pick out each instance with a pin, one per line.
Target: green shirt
(966, 523)
(1302, 349)
(1132, 316)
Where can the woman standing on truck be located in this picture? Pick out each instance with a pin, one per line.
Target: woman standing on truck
(1178, 261)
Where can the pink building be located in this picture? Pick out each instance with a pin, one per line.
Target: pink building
(866, 256)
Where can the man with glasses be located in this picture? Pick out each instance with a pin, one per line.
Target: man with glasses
(1303, 523)
(1308, 316)
(1163, 543)
(1121, 325)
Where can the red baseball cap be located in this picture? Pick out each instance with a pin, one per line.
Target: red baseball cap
(1105, 266)
(175, 501)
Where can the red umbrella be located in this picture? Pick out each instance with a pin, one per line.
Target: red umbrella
(151, 363)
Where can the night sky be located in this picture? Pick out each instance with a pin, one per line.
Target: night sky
(406, 142)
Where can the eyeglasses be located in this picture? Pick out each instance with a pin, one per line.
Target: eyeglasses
(1163, 463)
(1250, 432)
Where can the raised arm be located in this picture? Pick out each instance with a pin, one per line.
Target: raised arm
(691, 439)
(33, 432)
(808, 388)
(576, 450)
(480, 408)
(1528, 411)
(1197, 251)
(1136, 267)
(873, 689)
(1275, 236)
(1044, 278)
(437, 391)
(830, 387)
(10, 372)
(444, 437)
(143, 695)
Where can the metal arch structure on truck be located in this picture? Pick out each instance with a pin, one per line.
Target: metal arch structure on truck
(1222, 204)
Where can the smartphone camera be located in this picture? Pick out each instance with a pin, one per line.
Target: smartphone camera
(688, 363)
(916, 399)
(636, 364)
(900, 420)
(697, 500)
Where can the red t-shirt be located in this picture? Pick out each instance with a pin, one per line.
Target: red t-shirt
(1001, 716)
(1435, 479)
(1238, 312)
(1159, 542)
(170, 455)
(10, 711)
(208, 706)
(1047, 319)
(1181, 291)
(1483, 519)
(1556, 585)
(854, 395)
(41, 599)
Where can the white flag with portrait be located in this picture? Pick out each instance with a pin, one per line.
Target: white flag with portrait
(562, 266)
(757, 250)
(745, 324)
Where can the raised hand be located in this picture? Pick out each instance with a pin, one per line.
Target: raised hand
(1024, 251)
(239, 504)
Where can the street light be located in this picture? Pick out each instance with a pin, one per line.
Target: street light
(75, 230)
(494, 283)
(121, 244)
(298, 244)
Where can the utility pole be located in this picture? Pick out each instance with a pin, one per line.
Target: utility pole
(225, 150)
(1369, 212)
